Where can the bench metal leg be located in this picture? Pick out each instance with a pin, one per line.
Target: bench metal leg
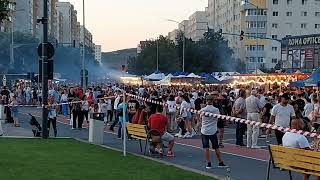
(268, 170)
(140, 145)
(145, 147)
(290, 174)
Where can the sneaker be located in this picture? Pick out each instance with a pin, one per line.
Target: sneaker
(193, 133)
(179, 133)
(170, 154)
(187, 135)
(222, 165)
(248, 146)
(256, 147)
(180, 136)
(209, 166)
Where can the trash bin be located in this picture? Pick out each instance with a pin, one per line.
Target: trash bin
(96, 128)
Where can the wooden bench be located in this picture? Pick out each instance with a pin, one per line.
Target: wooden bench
(294, 159)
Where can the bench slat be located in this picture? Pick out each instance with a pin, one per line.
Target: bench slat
(138, 137)
(136, 126)
(144, 135)
(295, 164)
(137, 130)
(300, 171)
(295, 151)
(295, 157)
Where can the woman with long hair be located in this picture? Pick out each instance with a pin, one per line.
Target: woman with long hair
(14, 111)
(187, 118)
(171, 113)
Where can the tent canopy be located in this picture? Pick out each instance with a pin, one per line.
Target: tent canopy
(211, 80)
(314, 79)
(192, 75)
(155, 76)
(297, 84)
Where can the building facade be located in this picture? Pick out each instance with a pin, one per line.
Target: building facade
(97, 53)
(24, 16)
(59, 27)
(87, 37)
(8, 24)
(173, 35)
(198, 25)
(66, 9)
(269, 20)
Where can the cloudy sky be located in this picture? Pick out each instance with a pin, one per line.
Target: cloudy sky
(120, 24)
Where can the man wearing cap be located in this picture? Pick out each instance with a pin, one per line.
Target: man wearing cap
(253, 106)
(281, 115)
(209, 132)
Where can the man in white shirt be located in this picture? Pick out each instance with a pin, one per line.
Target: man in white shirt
(295, 140)
(209, 132)
(281, 115)
(115, 107)
(253, 107)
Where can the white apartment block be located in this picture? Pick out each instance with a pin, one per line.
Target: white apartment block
(97, 53)
(263, 18)
(198, 25)
(24, 16)
(184, 27)
(66, 8)
(173, 35)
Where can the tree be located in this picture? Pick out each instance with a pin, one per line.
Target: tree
(4, 10)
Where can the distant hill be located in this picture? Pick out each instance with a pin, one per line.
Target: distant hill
(114, 60)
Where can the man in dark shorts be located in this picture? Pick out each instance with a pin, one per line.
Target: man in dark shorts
(209, 133)
(221, 122)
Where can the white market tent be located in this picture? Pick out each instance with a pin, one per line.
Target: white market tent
(155, 77)
(192, 75)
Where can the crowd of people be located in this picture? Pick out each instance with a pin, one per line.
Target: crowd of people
(283, 108)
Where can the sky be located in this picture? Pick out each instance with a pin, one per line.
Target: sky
(121, 24)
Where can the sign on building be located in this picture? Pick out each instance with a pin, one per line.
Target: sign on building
(300, 52)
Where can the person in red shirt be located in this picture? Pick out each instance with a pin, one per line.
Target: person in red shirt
(159, 122)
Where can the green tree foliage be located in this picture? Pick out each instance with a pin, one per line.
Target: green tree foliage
(4, 10)
(207, 55)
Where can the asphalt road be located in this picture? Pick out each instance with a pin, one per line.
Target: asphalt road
(245, 164)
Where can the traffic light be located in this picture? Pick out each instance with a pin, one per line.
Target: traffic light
(220, 32)
(74, 43)
(241, 35)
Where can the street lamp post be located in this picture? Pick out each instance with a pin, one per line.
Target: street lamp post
(84, 85)
(244, 2)
(158, 55)
(183, 42)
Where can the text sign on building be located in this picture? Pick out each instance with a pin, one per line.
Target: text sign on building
(309, 54)
(302, 40)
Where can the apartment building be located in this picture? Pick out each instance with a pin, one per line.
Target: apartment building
(7, 25)
(198, 25)
(173, 35)
(97, 53)
(66, 10)
(24, 16)
(273, 19)
(87, 37)
(59, 30)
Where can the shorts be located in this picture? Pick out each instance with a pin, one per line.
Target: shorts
(214, 141)
(221, 123)
(167, 137)
(279, 136)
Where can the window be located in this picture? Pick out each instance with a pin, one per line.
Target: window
(317, 14)
(303, 25)
(289, 25)
(289, 13)
(304, 2)
(274, 48)
(317, 26)
(260, 47)
(289, 2)
(304, 13)
(274, 60)
(260, 59)
(275, 1)
(274, 25)
(252, 59)
(274, 36)
(275, 13)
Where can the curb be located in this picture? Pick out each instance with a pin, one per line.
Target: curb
(159, 161)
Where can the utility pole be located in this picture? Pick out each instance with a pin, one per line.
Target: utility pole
(183, 44)
(157, 54)
(44, 61)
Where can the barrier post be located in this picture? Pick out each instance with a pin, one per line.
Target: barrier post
(124, 125)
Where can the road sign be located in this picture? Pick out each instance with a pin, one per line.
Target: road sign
(49, 49)
(86, 72)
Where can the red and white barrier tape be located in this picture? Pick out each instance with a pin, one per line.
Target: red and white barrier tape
(230, 118)
(58, 104)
